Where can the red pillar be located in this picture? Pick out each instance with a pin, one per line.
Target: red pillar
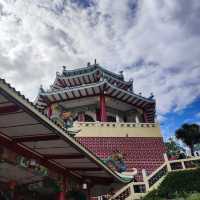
(103, 114)
(12, 186)
(61, 194)
(145, 118)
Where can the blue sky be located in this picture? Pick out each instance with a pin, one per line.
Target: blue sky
(174, 120)
(155, 42)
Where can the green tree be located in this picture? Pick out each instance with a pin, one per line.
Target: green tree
(189, 134)
(172, 147)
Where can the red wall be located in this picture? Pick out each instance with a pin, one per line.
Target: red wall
(140, 152)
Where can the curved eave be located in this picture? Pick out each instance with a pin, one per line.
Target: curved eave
(88, 78)
(28, 108)
(95, 89)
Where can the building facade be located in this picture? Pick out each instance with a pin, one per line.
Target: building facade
(101, 109)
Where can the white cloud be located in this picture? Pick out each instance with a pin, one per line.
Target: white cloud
(156, 42)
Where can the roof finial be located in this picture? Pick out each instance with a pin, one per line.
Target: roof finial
(57, 73)
(88, 64)
(151, 95)
(121, 73)
(41, 88)
(95, 61)
(64, 68)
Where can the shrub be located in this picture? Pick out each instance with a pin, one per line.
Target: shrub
(180, 182)
(177, 184)
(194, 197)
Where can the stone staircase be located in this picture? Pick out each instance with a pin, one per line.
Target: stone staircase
(136, 190)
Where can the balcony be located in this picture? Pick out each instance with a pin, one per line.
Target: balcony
(113, 129)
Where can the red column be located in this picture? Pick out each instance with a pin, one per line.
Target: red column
(145, 118)
(12, 186)
(103, 114)
(61, 194)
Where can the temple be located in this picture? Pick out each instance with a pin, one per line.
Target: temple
(88, 137)
(105, 115)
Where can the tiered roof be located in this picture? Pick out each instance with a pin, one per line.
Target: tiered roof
(88, 75)
(93, 81)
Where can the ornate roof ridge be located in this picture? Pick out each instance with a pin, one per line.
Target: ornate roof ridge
(90, 68)
(129, 82)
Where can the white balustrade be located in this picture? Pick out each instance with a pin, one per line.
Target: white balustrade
(116, 124)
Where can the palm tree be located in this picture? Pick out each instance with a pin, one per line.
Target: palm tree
(189, 134)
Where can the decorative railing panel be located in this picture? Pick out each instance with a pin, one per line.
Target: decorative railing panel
(123, 195)
(176, 166)
(139, 188)
(162, 172)
(192, 164)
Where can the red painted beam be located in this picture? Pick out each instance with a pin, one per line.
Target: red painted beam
(29, 153)
(9, 109)
(63, 156)
(36, 138)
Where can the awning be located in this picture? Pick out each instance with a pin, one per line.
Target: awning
(27, 131)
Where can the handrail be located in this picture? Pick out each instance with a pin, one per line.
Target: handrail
(184, 160)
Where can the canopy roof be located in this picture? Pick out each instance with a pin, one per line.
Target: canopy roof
(25, 130)
(94, 89)
(87, 75)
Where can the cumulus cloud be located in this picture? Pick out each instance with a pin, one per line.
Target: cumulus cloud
(155, 42)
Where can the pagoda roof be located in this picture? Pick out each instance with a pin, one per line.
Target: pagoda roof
(87, 75)
(95, 89)
(89, 69)
(28, 132)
